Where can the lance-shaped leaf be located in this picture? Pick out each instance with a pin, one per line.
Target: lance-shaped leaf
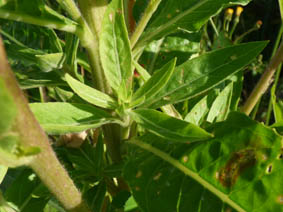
(61, 118)
(200, 74)
(190, 15)
(169, 127)
(221, 105)
(156, 82)
(115, 50)
(241, 166)
(37, 13)
(90, 94)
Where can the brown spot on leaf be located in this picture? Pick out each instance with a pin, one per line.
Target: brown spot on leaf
(280, 199)
(138, 188)
(185, 159)
(139, 174)
(236, 165)
(156, 177)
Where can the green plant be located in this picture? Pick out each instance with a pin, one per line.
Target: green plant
(142, 118)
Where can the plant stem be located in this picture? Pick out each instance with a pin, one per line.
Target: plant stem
(46, 164)
(264, 81)
(14, 16)
(214, 27)
(151, 8)
(269, 110)
(225, 198)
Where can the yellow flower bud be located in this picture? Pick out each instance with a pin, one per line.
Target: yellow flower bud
(239, 10)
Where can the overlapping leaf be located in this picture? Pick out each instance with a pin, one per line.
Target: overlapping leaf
(198, 75)
(242, 164)
(190, 15)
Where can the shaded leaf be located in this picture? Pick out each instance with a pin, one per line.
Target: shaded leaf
(190, 15)
(61, 118)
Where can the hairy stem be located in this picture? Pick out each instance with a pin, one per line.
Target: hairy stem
(151, 8)
(46, 164)
(264, 81)
(185, 170)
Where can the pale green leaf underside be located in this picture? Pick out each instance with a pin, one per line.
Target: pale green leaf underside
(90, 94)
(115, 51)
(61, 118)
(168, 127)
(200, 74)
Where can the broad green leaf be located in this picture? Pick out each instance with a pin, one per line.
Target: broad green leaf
(8, 108)
(90, 94)
(155, 83)
(221, 105)
(189, 15)
(200, 74)
(115, 51)
(241, 165)
(168, 127)
(60, 118)
(27, 192)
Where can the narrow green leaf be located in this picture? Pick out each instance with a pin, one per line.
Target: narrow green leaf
(221, 105)
(61, 118)
(189, 15)
(281, 8)
(115, 50)
(200, 74)
(156, 82)
(90, 94)
(168, 127)
(38, 13)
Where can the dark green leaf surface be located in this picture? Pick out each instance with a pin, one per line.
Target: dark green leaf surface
(27, 192)
(37, 10)
(156, 82)
(190, 15)
(168, 127)
(198, 75)
(90, 94)
(115, 50)
(95, 196)
(60, 118)
(243, 163)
